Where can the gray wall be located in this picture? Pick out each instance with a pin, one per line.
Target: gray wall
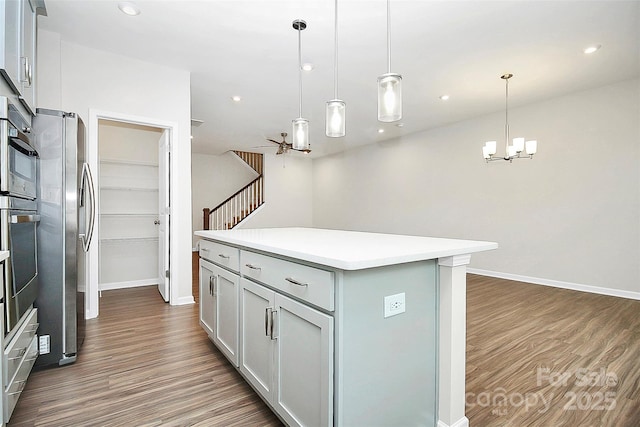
(571, 215)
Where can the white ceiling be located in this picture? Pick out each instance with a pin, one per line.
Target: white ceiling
(459, 48)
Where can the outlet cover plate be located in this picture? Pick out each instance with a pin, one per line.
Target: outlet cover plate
(394, 304)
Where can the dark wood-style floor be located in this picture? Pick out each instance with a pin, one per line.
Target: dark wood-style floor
(536, 356)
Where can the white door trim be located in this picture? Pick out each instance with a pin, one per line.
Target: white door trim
(91, 296)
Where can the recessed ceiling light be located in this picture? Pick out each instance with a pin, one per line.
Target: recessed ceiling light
(307, 66)
(444, 97)
(380, 130)
(236, 98)
(129, 8)
(592, 49)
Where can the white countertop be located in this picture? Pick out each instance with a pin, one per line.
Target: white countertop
(346, 250)
(4, 255)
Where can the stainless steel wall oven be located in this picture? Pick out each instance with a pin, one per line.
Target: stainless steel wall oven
(18, 214)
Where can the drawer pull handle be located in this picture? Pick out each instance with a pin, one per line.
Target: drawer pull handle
(204, 249)
(253, 267)
(295, 282)
(223, 256)
(267, 312)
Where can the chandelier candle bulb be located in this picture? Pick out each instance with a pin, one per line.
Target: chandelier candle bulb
(491, 147)
(485, 152)
(531, 147)
(518, 143)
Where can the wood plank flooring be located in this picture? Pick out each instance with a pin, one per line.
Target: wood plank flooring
(541, 356)
(145, 363)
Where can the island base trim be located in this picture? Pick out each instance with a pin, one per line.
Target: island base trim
(462, 422)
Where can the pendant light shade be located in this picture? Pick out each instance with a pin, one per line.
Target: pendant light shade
(389, 85)
(300, 125)
(336, 109)
(335, 119)
(389, 97)
(300, 134)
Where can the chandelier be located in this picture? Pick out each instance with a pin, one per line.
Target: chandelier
(513, 151)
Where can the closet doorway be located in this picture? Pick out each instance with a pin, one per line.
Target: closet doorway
(133, 211)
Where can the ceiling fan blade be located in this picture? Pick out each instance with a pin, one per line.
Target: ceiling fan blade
(274, 141)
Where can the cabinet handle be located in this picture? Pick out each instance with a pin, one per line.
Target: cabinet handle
(273, 321)
(210, 285)
(267, 312)
(253, 267)
(215, 280)
(223, 256)
(204, 249)
(295, 282)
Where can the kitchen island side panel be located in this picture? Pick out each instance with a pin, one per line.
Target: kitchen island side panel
(386, 368)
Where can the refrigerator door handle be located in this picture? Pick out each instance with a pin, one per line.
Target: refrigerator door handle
(87, 177)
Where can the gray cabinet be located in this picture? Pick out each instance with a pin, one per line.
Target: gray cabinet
(314, 341)
(18, 49)
(219, 307)
(206, 297)
(287, 355)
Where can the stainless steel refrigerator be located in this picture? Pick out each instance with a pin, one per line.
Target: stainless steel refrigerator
(66, 204)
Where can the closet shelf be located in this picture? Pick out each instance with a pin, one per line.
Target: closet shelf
(129, 214)
(118, 188)
(128, 162)
(127, 239)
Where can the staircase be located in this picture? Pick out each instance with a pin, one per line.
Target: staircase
(240, 205)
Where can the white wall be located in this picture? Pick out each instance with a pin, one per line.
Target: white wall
(287, 194)
(214, 178)
(76, 78)
(572, 214)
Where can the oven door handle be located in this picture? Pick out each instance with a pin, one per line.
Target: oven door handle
(88, 178)
(20, 219)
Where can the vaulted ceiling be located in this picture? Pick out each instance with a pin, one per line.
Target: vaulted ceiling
(248, 48)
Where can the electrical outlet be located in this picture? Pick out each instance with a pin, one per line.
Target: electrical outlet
(44, 344)
(394, 304)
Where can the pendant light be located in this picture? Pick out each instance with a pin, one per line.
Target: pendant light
(300, 125)
(336, 108)
(510, 151)
(389, 85)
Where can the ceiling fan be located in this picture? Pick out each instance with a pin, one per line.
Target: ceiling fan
(283, 146)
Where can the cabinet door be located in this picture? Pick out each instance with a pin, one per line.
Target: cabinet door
(10, 42)
(207, 313)
(256, 346)
(225, 296)
(28, 55)
(303, 392)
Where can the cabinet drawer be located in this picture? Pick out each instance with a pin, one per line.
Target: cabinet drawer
(19, 345)
(14, 389)
(309, 284)
(223, 255)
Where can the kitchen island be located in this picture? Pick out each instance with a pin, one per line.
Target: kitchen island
(341, 328)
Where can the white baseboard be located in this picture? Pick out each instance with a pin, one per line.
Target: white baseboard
(184, 300)
(558, 284)
(127, 284)
(462, 422)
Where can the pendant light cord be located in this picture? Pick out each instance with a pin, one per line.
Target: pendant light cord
(300, 67)
(335, 50)
(388, 36)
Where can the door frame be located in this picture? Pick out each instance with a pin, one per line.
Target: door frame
(92, 292)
